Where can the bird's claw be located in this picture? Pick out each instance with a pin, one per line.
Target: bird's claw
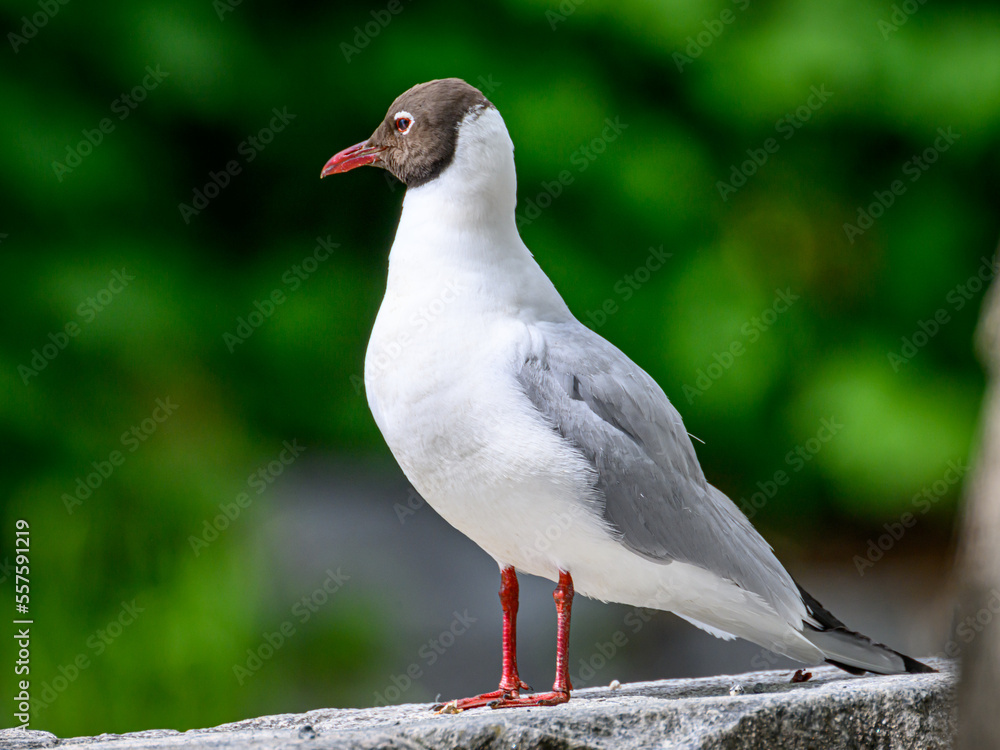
(538, 699)
(477, 701)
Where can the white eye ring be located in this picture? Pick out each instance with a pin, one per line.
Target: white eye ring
(404, 121)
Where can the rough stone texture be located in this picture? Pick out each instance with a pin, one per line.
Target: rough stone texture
(833, 710)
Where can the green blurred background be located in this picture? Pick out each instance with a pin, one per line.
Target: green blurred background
(556, 72)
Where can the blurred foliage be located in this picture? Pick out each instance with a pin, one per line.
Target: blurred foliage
(556, 71)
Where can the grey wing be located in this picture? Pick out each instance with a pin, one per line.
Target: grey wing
(652, 488)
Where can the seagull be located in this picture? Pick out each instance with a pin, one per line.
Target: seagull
(536, 437)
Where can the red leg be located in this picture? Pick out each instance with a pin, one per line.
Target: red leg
(510, 683)
(563, 596)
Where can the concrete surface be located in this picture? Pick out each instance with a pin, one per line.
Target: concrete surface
(833, 710)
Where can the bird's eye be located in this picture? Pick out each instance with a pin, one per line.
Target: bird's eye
(404, 121)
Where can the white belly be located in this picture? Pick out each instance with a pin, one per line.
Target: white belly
(473, 446)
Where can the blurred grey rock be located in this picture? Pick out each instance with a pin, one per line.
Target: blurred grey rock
(979, 556)
(833, 710)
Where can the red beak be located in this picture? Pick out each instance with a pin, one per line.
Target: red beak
(358, 155)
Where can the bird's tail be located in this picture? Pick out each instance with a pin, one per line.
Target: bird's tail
(851, 651)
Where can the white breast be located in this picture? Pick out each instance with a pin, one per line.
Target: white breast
(445, 398)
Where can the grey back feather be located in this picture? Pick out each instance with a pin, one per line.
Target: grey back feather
(654, 493)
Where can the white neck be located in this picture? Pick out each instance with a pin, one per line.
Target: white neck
(478, 188)
(461, 225)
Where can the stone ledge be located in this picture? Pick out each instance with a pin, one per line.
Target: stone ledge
(833, 710)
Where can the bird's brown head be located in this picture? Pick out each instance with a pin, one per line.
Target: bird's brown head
(417, 138)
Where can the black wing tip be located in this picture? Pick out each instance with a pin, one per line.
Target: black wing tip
(820, 613)
(915, 667)
(829, 622)
(911, 665)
